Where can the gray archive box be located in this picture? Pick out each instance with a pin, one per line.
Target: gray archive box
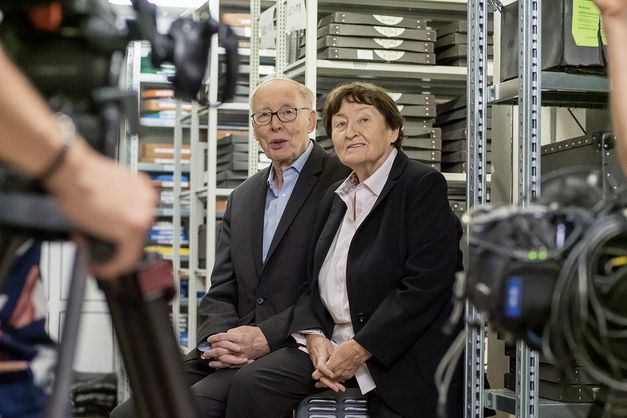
(417, 111)
(232, 156)
(232, 164)
(375, 20)
(559, 392)
(455, 39)
(435, 133)
(560, 49)
(424, 155)
(455, 145)
(376, 32)
(575, 375)
(422, 125)
(412, 98)
(457, 52)
(375, 43)
(376, 55)
(422, 143)
(459, 26)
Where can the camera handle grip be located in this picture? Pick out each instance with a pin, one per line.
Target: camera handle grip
(230, 42)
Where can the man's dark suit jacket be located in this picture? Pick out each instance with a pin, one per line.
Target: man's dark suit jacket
(399, 278)
(244, 290)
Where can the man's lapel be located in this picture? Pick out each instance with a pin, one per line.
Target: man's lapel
(258, 201)
(307, 180)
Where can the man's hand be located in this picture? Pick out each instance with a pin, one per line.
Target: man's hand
(107, 201)
(227, 361)
(237, 347)
(320, 350)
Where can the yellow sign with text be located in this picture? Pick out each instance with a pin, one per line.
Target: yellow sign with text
(586, 23)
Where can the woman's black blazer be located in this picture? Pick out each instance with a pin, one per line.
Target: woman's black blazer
(400, 273)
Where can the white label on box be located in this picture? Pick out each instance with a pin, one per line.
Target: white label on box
(389, 32)
(171, 151)
(170, 183)
(364, 54)
(388, 20)
(400, 107)
(389, 55)
(266, 28)
(296, 15)
(395, 96)
(389, 43)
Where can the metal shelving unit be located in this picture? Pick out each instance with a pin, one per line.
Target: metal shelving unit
(129, 154)
(476, 194)
(203, 191)
(314, 72)
(525, 400)
(445, 80)
(310, 69)
(530, 91)
(198, 208)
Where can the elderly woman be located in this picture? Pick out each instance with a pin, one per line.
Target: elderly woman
(382, 270)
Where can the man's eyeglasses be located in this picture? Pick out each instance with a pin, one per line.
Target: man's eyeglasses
(285, 114)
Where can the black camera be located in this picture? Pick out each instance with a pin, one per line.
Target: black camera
(554, 274)
(72, 51)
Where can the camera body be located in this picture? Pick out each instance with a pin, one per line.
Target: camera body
(552, 273)
(73, 50)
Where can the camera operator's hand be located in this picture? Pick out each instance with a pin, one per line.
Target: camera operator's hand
(614, 16)
(612, 8)
(102, 198)
(107, 201)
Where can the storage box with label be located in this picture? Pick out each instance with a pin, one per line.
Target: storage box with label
(376, 55)
(570, 38)
(162, 153)
(375, 20)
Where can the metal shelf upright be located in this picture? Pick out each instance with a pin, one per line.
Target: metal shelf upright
(203, 190)
(529, 100)
(201, 197)
(477, 83)
(253, 81)
(529, 103)
(176, 220)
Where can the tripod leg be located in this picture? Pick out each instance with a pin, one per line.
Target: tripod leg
(59, 403)
(148, 345)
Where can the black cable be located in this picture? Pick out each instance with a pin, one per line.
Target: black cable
(580, 321)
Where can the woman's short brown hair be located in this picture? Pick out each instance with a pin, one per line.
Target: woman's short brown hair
(364, 93)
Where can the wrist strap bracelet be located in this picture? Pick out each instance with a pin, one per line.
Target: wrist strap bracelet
(68, 134)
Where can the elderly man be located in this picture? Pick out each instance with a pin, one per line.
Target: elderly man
(264, 245)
